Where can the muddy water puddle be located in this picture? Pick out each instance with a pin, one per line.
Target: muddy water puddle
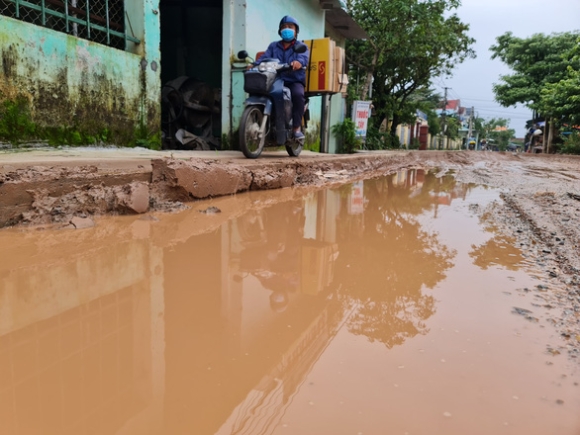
(389, 306)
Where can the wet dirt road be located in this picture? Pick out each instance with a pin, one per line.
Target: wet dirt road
(413, 303)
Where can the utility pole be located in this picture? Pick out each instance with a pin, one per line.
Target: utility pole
(470, 133)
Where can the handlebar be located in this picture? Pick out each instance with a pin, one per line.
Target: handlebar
(287, 66)
(283, 67)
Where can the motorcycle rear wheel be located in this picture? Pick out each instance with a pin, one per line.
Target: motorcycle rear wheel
(294, 147)
(253, 131)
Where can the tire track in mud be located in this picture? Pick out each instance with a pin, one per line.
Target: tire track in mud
(551, 254)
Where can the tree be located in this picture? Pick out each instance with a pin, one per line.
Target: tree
(452, 126)
(410, 42)
(496, 130)
(536, 61)
(561, 100)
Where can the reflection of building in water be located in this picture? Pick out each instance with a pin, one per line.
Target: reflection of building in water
(442, 190)
(234, 358)
(76, 341)
(265, 404)
(121, 336)
(319, 249)
(410, 179)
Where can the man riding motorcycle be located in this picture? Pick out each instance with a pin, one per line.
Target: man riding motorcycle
(294, 80)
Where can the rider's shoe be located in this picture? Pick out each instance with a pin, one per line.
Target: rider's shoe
(298, 135)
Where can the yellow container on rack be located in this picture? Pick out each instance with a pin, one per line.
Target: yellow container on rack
(320, 74)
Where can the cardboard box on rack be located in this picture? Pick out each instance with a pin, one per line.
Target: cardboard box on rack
(320, 75)
(341, 77)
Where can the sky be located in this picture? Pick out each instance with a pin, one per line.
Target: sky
(472, 80)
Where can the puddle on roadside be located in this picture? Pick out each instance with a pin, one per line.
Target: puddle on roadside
(385, 306)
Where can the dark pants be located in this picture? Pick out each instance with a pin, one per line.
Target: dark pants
(298, 101)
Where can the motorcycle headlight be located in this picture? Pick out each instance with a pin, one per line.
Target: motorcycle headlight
(267, 66)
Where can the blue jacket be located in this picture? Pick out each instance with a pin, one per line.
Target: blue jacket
(276, 51)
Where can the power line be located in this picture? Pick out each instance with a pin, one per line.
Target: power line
(480, 100)
(513, 115)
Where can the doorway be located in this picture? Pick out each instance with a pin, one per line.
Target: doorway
(191, 73)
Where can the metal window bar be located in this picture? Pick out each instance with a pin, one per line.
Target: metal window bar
(66, 17)
(90, 22)
(108, 23)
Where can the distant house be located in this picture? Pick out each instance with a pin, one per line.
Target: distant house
(464, 114)
(452, 107)
(100, 65)
(416, 133)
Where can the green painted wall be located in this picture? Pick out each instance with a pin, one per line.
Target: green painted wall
(77, 84)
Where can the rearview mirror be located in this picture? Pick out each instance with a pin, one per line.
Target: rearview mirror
(300, 47)
(243, 54)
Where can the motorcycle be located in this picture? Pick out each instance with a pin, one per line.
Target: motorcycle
(267, 116)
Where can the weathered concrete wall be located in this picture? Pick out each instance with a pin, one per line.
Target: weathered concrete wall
(263, 18)
(75, 83)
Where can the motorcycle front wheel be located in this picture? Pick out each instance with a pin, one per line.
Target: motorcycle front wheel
(253, 131)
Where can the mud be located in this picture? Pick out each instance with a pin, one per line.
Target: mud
(451, 293)
(540, 192)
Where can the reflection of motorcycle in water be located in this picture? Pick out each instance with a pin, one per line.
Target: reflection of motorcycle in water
(272, 255)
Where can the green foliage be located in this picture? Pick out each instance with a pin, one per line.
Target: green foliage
(232, 142)
(434, 124)
(146, 138)
(561, 100)
(225, 144)
(376, 139)
(491, 130)
(415, 144)
(502, 138)
(381, 140)
(392, 142)
(452, 124)
(410, 42)
(313, 146)
(15, 121)
(571, 144)
(16, 127)
(478, 124)
(346, 134)
(74, 136)
(536, 61)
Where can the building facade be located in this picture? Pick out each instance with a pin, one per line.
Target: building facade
(100, 66)
(86, 65)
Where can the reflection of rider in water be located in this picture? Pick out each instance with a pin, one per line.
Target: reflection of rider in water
(276, 261)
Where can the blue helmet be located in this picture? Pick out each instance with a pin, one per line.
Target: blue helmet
(288, 19)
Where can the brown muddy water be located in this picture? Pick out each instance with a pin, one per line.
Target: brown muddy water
(389, 306)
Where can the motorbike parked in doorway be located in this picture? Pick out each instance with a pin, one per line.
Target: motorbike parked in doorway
(267, 116)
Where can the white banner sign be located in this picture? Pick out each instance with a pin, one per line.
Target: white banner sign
(361, 111)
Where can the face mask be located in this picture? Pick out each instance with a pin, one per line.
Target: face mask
(287, 35)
